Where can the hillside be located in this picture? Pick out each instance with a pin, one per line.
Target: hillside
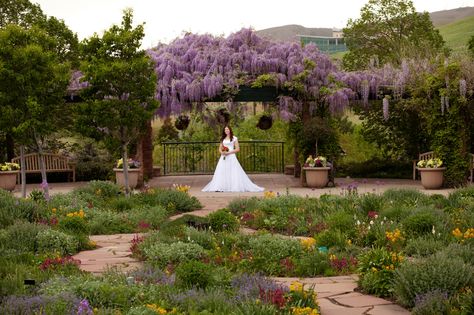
(289, 32)
(440, 18)
(458, 33)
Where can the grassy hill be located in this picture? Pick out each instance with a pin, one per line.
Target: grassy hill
(458, 33)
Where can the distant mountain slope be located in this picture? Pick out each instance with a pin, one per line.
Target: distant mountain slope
(450, 16)
(289, 32)
(458, 33)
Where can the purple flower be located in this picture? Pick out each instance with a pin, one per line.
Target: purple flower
(84, 308)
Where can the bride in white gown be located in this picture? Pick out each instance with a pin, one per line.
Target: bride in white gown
(229, 175)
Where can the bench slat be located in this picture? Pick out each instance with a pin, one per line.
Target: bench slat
(53, 163)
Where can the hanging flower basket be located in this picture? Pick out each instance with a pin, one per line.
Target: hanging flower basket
(223, 116)
(265, 122)
(182, 122)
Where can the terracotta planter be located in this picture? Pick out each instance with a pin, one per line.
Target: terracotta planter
(8, 180)
(432, 178)
(132, 177)
(317, 177)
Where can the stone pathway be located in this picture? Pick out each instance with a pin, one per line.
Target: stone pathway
(113, 252)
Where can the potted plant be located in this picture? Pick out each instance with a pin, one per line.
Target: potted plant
(317, 171)
(265, 122)
(133, 172)
(8, 175)
(182, 122)
(431, 173)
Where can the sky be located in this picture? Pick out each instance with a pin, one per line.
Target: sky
(167, 20)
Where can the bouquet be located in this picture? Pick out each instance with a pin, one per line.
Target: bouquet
(225, 149)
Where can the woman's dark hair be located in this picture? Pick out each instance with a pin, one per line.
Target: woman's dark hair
(224, 135)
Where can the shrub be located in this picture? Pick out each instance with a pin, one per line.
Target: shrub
(312, 264)
(203, 238)
(406, 197)
(194, 274)
(147, 217)
(98, 189)
(331, 238)
(269, 250)
(370, 202)
(12, 209)
(121, 204)
(200, 223)
(341, 221)
(434, 302)
(223, 220)
(74, 225)
(59, 304)
(422, 221)
(376, 269)
(240, 205)
(423, 246)
(437, 272)
(463, 251)
(173, 200)
(52, 241)
(161, 254)
(21, 236)
(108, 222)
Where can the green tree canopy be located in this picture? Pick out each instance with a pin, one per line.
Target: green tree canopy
(120, 96)
(33, 82)
(389, 31)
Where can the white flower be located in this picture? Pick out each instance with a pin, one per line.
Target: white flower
(358, 222)
(376, 216)
(371, 222)
(433, 230)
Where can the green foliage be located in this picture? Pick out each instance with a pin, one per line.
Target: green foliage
(331, 238)
(376, 270)
(52, 241)
(20, 237)
(161, 254)
(122, 81)
(312, 264)
(194, 274)
(438, 272)
(423, 246)
(173, 200)
(202, 238)
(108, 222)
(12, 209)
(421, 222)
(435, 302)
(223, 220)
(470, 45)
(269, 250)
(376, 34)
(240, 205)
(74, 225)
(167, 132)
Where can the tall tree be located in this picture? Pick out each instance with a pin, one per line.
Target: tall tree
(33, 83)
(387, 32)
(121, 86)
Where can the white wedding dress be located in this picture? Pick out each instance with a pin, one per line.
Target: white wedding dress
(229, 175)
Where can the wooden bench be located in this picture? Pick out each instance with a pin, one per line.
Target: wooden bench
(430, 155)
(54, 163)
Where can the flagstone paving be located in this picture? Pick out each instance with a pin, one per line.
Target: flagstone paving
(336, 295)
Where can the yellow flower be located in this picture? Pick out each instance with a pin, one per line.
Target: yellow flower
(269, 194)
(296, 286)
(374, 269)
(457, 233)
(349, 242)
(308, 243)
(304, 311)
(54, 210)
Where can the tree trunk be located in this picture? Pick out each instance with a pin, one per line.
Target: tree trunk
(125, 169)
(44, 179)
(147, 152)
(305, 118)
(23, 171)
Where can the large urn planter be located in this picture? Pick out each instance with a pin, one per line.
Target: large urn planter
(317, 177)
(132, 177)
(8, 180)
(431, 178)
